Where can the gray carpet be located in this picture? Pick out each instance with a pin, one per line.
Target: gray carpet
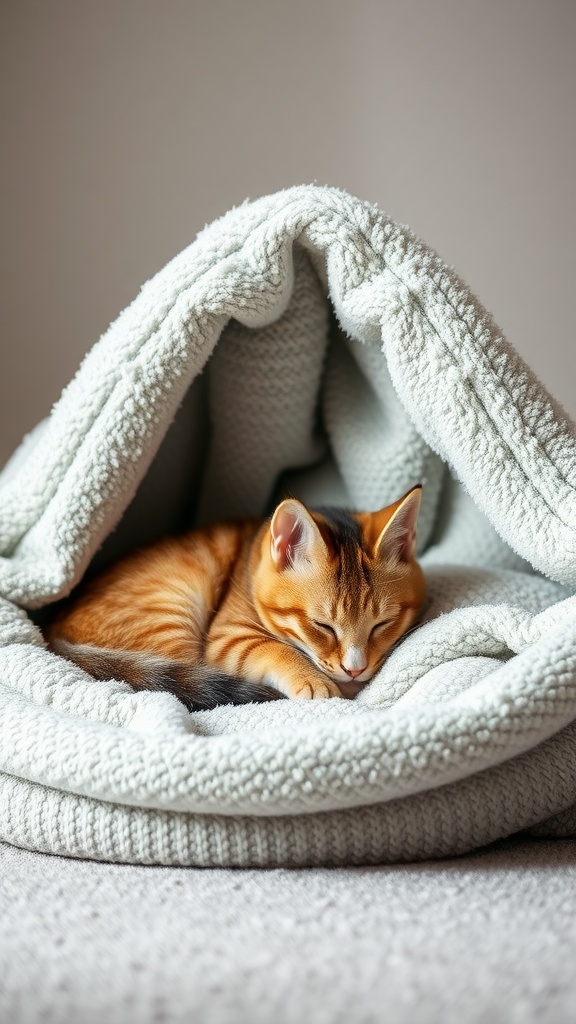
(488, 937)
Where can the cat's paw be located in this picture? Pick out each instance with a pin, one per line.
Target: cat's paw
(317, 690)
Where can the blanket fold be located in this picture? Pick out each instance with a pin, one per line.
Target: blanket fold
(304, 344)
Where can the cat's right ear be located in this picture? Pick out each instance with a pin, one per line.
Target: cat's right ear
(398, 536)
(294, 536)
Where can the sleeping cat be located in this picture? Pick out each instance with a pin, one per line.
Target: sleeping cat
(306, 605)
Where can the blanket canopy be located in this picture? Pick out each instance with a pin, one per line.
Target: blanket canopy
(304, 344)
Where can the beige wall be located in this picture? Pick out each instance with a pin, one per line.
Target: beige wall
(128, 124)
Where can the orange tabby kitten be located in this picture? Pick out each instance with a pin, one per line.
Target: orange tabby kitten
(305, 605)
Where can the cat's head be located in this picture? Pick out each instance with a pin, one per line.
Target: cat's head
(341, 586)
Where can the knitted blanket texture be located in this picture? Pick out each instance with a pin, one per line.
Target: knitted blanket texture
(306, 344)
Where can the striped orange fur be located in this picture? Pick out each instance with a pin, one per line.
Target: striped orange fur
(306, 605)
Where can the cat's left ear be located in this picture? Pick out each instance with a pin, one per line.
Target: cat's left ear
(397, 537)
(294, 536)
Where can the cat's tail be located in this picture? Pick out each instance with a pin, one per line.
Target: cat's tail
(199, 687)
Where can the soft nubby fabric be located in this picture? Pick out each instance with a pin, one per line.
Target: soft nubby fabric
(305, 344)
(485, 939)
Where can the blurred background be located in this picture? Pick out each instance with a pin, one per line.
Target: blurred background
(129, 124)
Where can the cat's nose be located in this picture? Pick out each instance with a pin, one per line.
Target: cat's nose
(354, 662)
(353, 672)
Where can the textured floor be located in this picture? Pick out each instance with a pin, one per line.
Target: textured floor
(485, 938)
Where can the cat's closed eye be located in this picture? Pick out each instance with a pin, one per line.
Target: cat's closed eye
(380, 626)
(325, 626)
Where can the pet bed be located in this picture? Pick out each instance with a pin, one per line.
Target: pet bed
(307, 344)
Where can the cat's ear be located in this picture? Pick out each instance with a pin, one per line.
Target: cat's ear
(294, 536)
(396, 527)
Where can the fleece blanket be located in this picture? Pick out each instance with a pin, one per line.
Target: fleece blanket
(305, 344)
